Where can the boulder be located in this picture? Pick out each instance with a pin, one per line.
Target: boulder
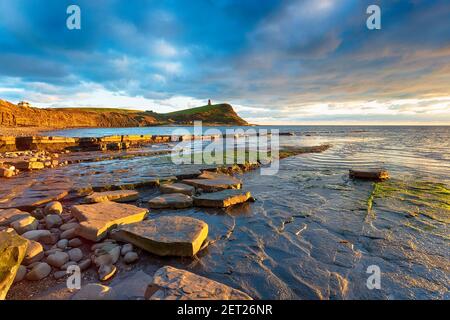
(373, 175)
(221, 199)
(94, 291)
(54, 207)
(177, 188)
(12, 251)
(25, 224)
(10, 215)
(34, 253)
(174, 284)
(165, 236)
(212, 185)
(39, 272)
(171, 201)
(117, 196)
(97, 219)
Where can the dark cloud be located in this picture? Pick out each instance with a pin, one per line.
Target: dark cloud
(264, 54)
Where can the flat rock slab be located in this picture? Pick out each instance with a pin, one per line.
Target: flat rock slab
(174, 284)
(165, 236)
(12, 251)
(117, 196)
(374, 175)
(177, 188)
(10, 215)
(222, 199)
(212, 185)
(171, 201)
(97, 219)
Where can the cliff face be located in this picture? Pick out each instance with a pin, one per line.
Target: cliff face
(12, 115)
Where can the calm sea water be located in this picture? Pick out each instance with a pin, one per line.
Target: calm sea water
(313, 232)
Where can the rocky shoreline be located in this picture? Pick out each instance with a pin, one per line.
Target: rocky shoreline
(61, 224)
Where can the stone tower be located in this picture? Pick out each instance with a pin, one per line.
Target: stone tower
(209, 102)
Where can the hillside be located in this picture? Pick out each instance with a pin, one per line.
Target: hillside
(218, 114)
(12, 115)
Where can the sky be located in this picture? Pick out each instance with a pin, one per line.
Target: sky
(276, 62)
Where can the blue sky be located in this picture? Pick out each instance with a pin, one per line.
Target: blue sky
(280, 62)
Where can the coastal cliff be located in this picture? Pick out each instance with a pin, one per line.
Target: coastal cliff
(12, 115)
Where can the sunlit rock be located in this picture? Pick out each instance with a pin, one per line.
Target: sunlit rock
(177, 188)
(117, 196)
(165, 236)
(174, 284)
(12, 251)
(221, 199)
(171, 201)
(97, 219)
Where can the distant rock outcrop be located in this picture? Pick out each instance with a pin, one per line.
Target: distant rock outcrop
(12, 115)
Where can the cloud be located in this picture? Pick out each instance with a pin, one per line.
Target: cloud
(295, 60)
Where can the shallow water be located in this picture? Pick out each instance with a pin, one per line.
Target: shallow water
(312, 234)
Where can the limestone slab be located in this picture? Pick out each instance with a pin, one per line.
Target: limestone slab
(222, 199)
(165, 236)
(177, 188)
(10, 215)
(117, 196)
(97, 219)
(171, 201)
(218, 184)
(174, 284)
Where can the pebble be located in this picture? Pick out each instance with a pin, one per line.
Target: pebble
(39, 272)
(85, 264)
(25, 224)
(126, 248)
(21, 273)
(36, 235)
(57, 259)
(62, 244)
(75, 242)
(67, 264)
(75, 254)
(69, 225)
(52, 251)
(106, 271)
(130, 257)
(59, 274)
(53, 220)
(68, 234)
(54, 207)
